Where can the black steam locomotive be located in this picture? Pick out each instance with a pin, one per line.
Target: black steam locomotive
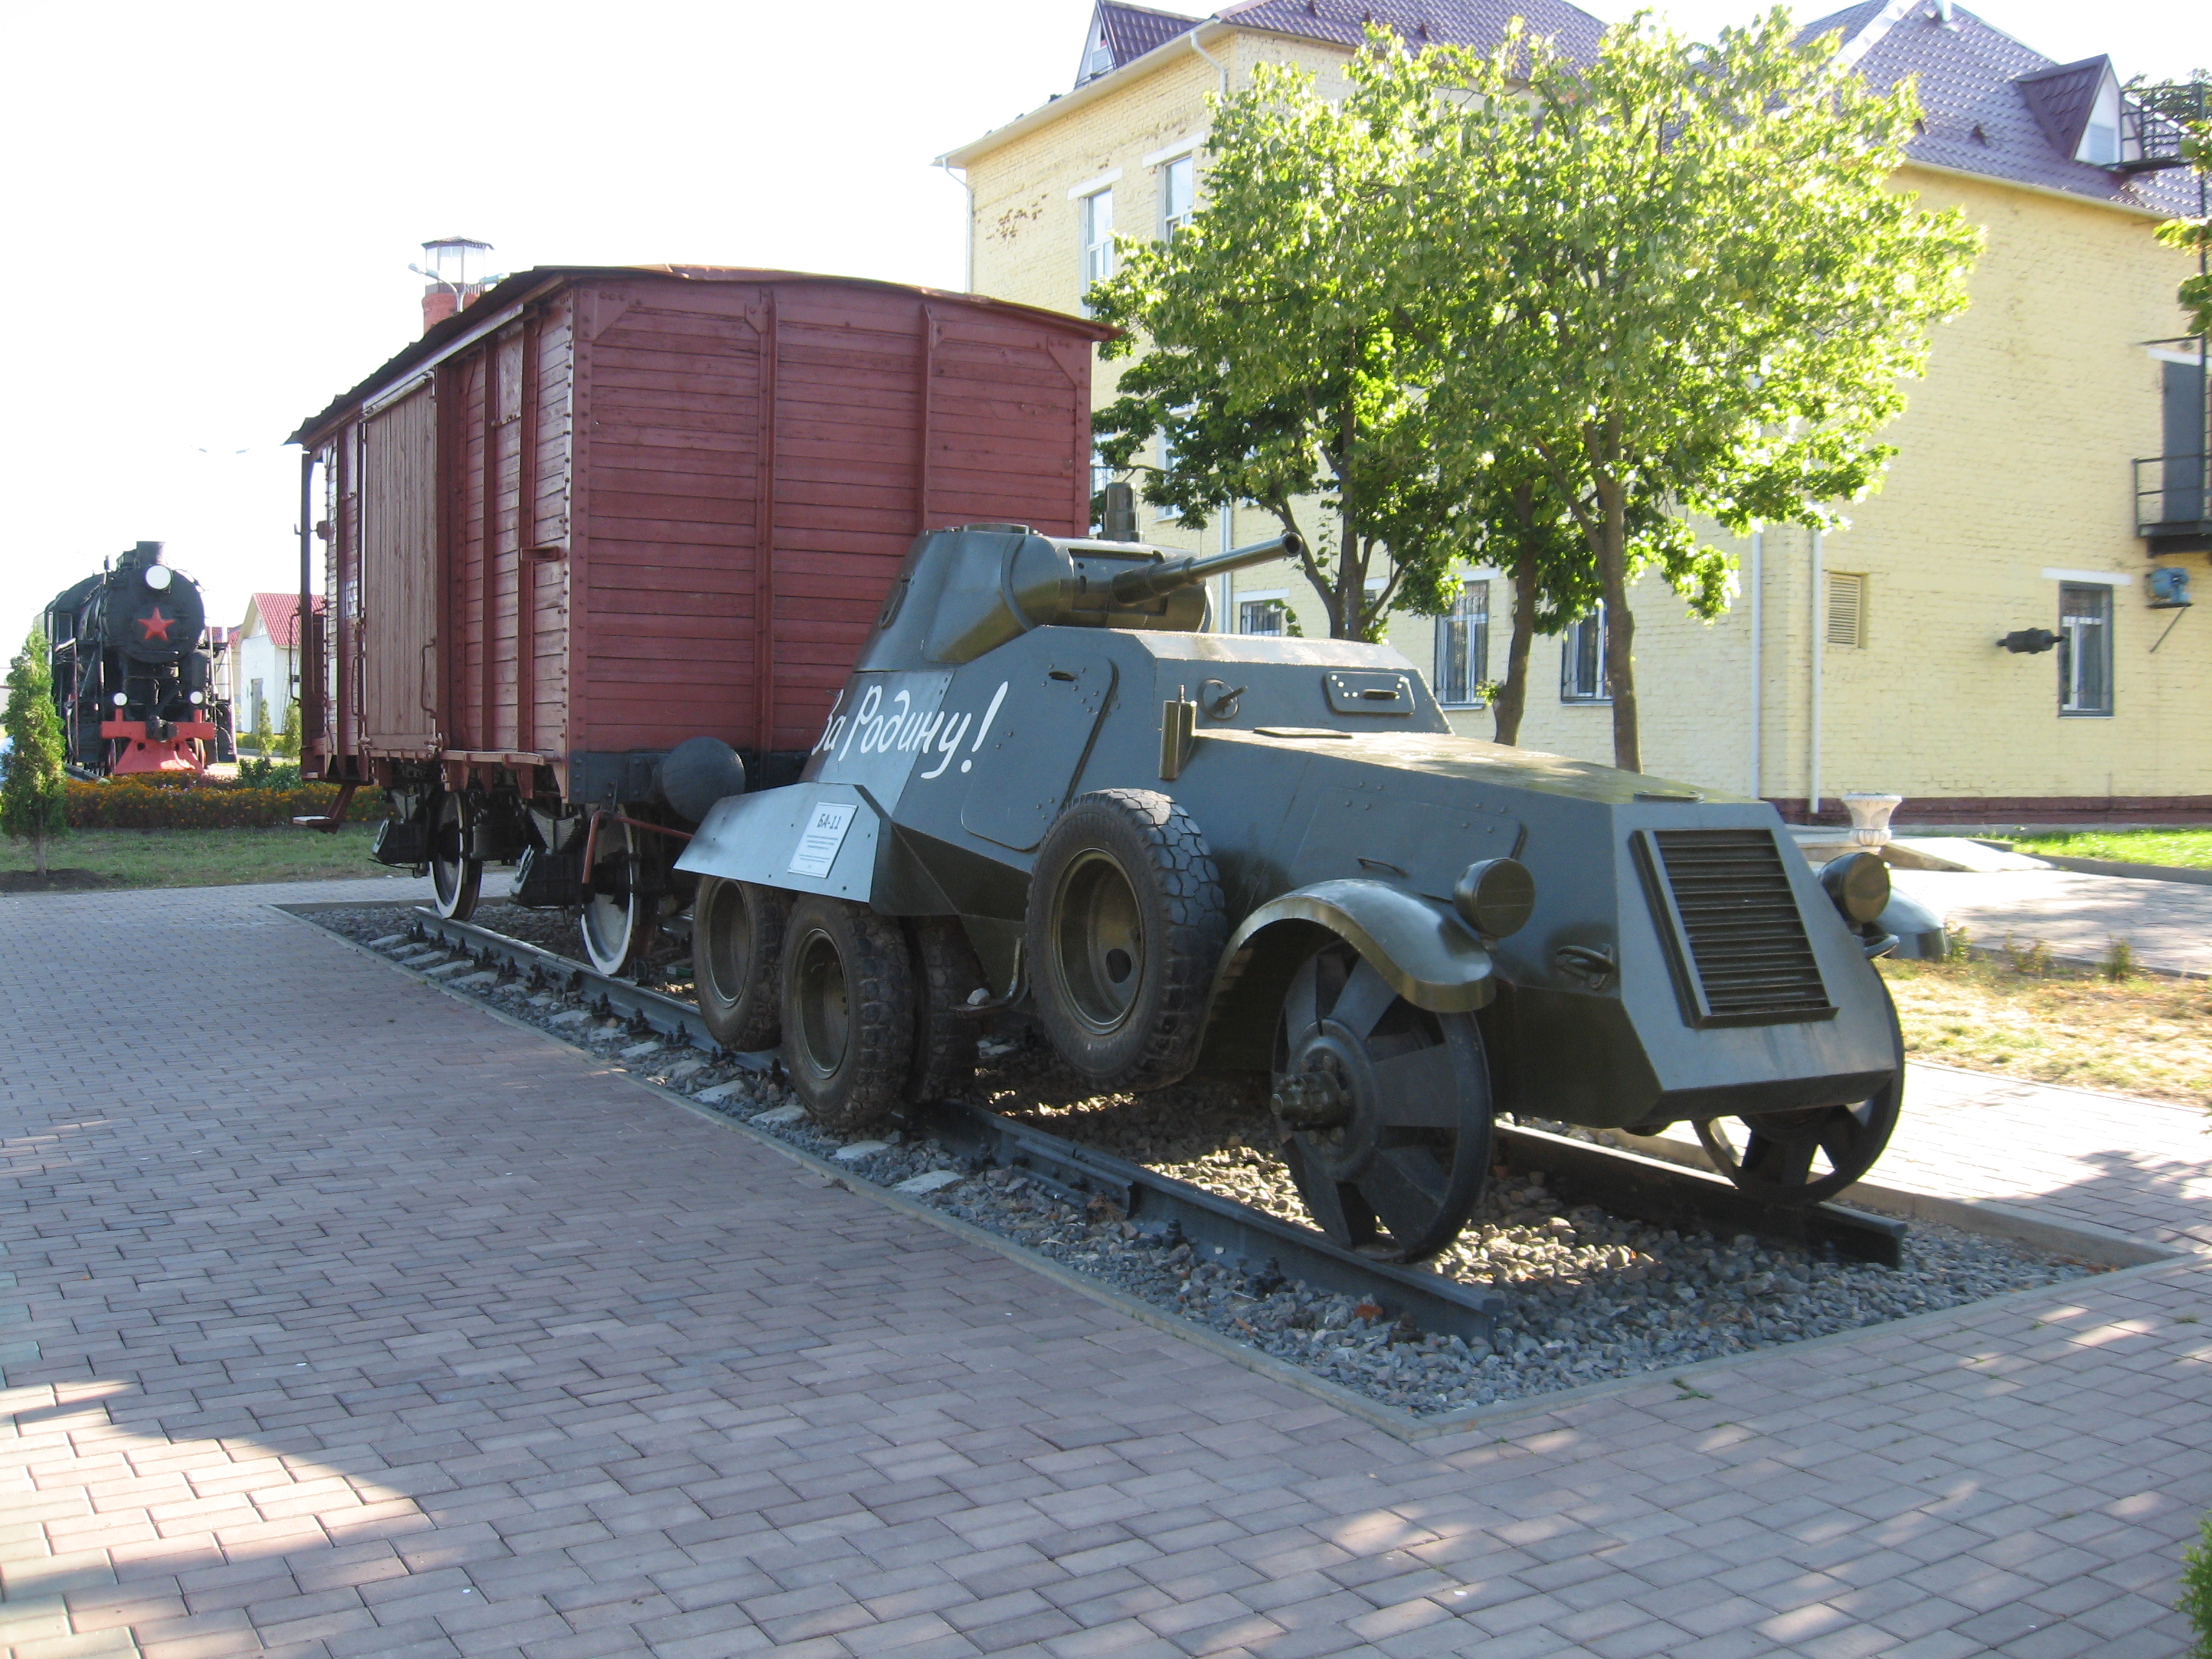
(132, 673)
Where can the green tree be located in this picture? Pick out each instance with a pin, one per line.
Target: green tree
(288, 740)
(32, 782)
(258, 735)
(2183, 103)
(1286, 345)
(2196, 1590)
(1681, 284)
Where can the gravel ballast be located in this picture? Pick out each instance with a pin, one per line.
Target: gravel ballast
(1591, 1297)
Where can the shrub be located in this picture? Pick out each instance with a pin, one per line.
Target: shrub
(31, 779)
(123, 803)
(1957, 944)
(2034, 957)
(2120, 961)
(2196, 1590)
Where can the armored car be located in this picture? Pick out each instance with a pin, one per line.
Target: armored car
(1046, 789)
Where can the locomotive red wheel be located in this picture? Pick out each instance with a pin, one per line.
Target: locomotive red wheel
(623, 911)
(737, 962)
(1804, 1156)
(848, 1012)
(455, 878)
(1386, 1106)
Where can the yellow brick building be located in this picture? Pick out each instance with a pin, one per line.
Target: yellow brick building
(1868, 658)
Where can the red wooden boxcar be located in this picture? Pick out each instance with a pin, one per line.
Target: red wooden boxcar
(604, 511)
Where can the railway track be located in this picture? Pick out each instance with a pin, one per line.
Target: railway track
(1260, 1244)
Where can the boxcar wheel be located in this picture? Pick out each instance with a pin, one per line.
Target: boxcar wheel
(455, 878)
(737, 962)
(1126, 926)
(620, 916)
(1805, 1157)
(847, 1010)
(1385, 1107)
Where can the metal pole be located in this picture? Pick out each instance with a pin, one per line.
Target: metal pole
(1813, 753)
(1758, 598)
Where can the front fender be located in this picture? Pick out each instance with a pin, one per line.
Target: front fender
(1423, 951)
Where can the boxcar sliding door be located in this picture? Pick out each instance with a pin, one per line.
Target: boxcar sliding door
(398, 575)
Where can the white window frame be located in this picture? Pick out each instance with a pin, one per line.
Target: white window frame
(1475, 646)
(2074, 632)
(1276, 598)
(1570, 650)
(1172, 221)
(1095, 252)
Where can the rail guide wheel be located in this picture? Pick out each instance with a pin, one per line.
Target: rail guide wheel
(1805, 1157)
(455, 878)
(620, 917)
(1386, 1106)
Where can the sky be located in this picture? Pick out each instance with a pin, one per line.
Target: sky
(212, 209)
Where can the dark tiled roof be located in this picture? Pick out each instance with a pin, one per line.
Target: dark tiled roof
(1980, 90)
(1477, 23)
(1131, 32)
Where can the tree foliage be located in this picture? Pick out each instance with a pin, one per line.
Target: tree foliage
(1681, 282)
(32, 793)
(1288, 345)
(2184, 104)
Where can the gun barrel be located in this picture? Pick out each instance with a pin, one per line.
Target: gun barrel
(1151, 581)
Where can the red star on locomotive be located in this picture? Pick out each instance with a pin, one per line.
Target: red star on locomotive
(156, 625)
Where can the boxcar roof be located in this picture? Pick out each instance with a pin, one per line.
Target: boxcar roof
(498, 303)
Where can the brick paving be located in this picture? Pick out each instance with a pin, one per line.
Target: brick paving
(384, 1327)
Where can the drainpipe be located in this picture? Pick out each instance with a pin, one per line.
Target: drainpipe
(968, 237)
(1757, 596)
(1220, 68)
(1812, 757)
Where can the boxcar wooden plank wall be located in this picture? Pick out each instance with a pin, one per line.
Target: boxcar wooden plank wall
(639, 505)
(668, 390)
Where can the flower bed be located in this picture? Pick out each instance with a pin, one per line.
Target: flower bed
(123, 803)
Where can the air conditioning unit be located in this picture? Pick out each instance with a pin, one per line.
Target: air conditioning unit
(2169, 588)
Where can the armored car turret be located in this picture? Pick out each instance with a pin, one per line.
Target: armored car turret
(1045, 789)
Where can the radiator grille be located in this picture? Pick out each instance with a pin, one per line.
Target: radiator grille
(1747, 953)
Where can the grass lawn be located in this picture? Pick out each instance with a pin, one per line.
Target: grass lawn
(190, 858)
(2140, 1037)
(2190, 848)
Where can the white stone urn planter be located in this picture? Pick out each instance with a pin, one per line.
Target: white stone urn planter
(1871, 816)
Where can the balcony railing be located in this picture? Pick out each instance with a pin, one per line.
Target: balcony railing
(2173, 495)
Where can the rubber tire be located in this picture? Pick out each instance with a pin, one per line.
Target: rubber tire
(1181, 925)
(747, 920)
(455, 897)
(945, 974)
(849, 1069)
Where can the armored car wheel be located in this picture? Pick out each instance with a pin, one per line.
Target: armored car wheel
(620, 916)
(1809, 1155)
(1126, 924)
(1385, 1107)
(847, 1010)
(455, 878)
(737, 962)
(945, 975)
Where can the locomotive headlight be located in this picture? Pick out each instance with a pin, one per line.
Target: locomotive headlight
(197, 698)
(120, 698)
(1495, 897)
(1857, 883)
(157, 576)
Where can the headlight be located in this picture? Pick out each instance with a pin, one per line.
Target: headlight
(198, 697)
(121, 698)
(157, 576)
(1859, 885)
(1495, 897)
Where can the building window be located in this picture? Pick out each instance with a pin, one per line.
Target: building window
(1846, 611)
(1463, 648)
(1178, 195)
(1097, 232)
(1582, 659)
(2085, 649)
(1259, 616)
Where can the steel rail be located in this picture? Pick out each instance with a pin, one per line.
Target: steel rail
(1261, 1246)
